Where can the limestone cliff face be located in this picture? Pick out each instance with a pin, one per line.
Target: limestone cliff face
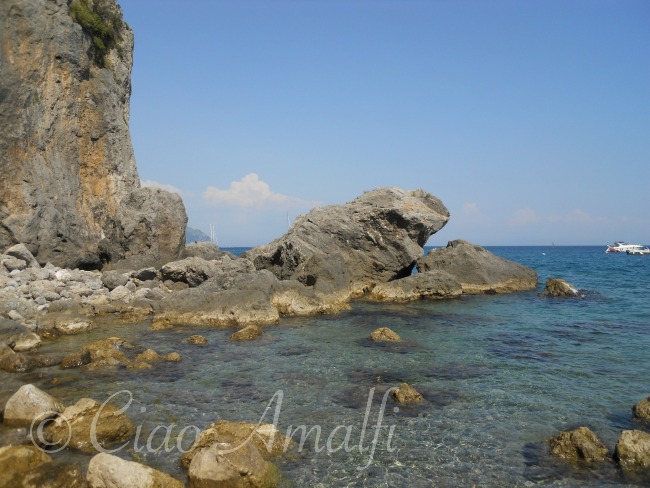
(67, 162)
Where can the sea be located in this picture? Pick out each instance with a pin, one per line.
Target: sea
(500, 375)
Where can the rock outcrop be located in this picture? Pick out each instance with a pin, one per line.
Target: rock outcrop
(580, 444)
(431, 285)
(478, 270)
(350, 248)
(557, 287)
(69, 187)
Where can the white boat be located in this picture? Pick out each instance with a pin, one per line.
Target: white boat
(620, 246)
(639, 252)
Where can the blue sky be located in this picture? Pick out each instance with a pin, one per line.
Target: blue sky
(530, 120)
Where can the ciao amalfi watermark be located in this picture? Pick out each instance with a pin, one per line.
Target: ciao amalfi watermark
(362, 438)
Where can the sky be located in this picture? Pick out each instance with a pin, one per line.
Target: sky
(530, 120)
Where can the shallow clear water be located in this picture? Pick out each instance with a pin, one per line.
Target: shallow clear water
(500, 374)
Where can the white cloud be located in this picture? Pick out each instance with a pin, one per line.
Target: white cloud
(162, 186)
(524, 216)
(251, 192)
(575, 216)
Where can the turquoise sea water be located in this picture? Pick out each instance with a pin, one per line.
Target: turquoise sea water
(500, 374)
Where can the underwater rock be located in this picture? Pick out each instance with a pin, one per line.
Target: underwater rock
(405, 394)
(384, 334)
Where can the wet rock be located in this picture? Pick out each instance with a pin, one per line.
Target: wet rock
(149, 356)
(405, 394)
(103, 353)
(432, 284)
(21, 252)
(642, 409)
(633, 449)
(13, 362)
(384, 334)
(269, 441)
(247, 333)
(89, 425)
(580, 444)
(16, 461)
(72, 327)
(478, 270)
(29, 404)
(108, 471)
(172, 357)
(350, 248)
(226, 464)
(197, 340)
(557, 287)
(54, 475)
(25, 342)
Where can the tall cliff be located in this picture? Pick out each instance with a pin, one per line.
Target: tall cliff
(69, 187)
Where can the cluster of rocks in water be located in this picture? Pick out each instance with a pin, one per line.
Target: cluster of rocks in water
(221, 455)
(581, 445)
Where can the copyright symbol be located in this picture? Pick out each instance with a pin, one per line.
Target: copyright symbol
(37, 434)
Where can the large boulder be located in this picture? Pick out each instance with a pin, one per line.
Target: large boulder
(231, 465)
(580, 444)
(108, 471)
(69, 187)
(633, 449)
(89, 426)
(478, 270)
(30, 404)
(432, 285)
(373, 239)
(150, 229)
